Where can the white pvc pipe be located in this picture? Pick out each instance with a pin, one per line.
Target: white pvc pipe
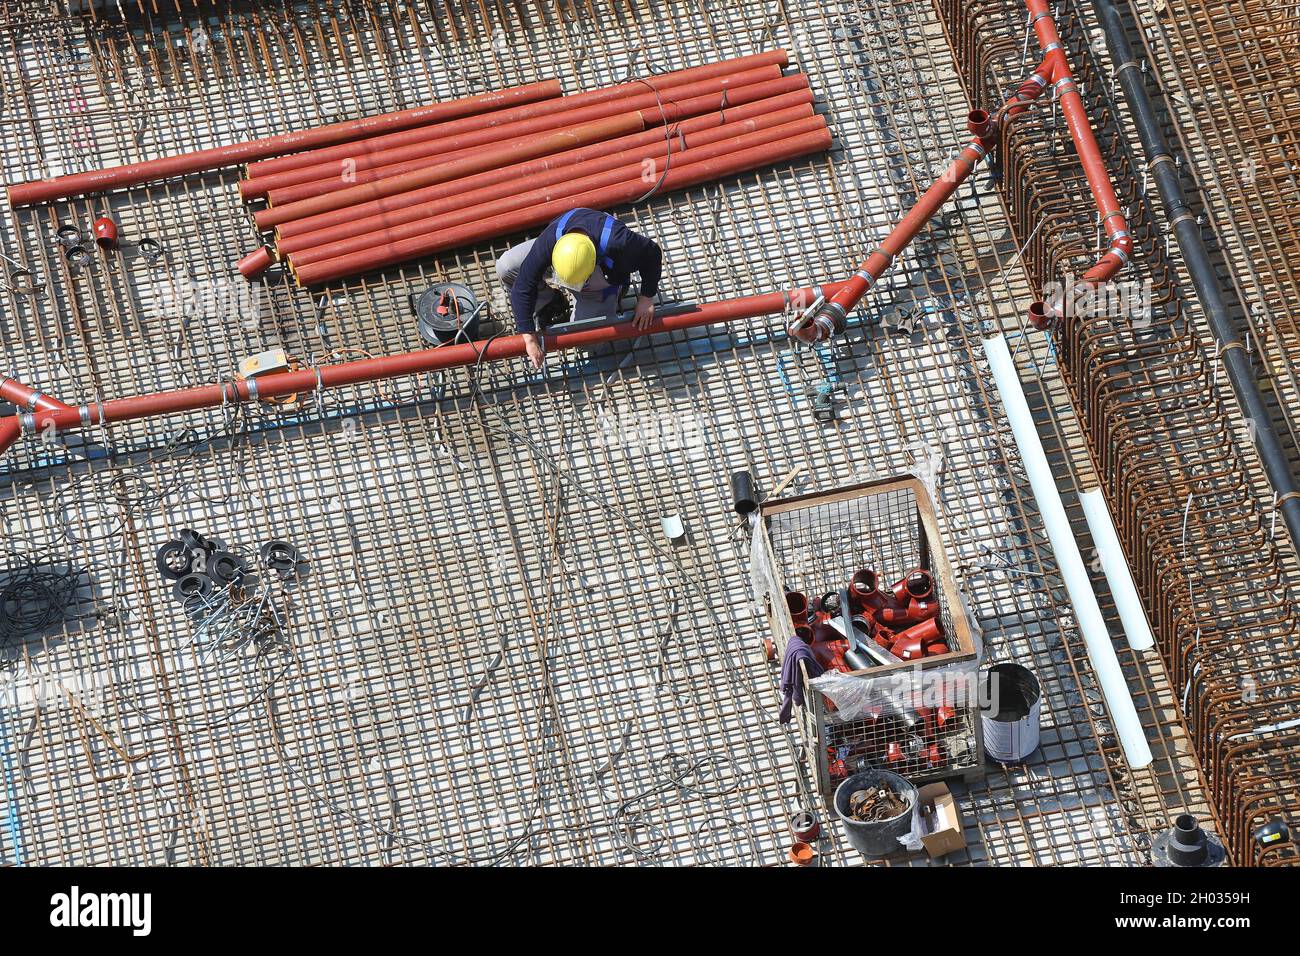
(1114, 565)
(1091, 624)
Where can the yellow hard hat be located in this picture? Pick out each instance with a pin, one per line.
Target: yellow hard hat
(574, 260)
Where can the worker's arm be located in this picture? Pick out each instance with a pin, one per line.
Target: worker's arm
(647, 259)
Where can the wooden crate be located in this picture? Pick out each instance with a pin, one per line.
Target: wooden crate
(813, 544)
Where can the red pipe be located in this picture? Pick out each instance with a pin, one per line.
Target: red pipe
(778, 58)
(650, 145)
(61, 187)
(475, 162)
(298, 184)
(725, 100)
(1085, 144)
(676, 178)
(497, 200)
(16, 393)
(283, 384)
(774, 110)
(9, 433)
(414, 178)
(256, 262)
(825, 319)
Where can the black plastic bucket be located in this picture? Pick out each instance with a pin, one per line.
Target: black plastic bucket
(877, 838)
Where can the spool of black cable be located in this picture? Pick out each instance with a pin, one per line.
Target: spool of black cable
(742, 493)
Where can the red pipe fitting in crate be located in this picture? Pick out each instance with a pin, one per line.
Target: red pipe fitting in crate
(797, 604)
(874, 629)
(823, 633)
(907, 648)
(864, 591)
(917, 584)
(928, 636)
(913, 613)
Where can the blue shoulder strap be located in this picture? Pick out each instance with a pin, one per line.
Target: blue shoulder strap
(605, 260)
(605, 233)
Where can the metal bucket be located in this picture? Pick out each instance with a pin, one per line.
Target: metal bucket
(1009, 716)
(877, 838)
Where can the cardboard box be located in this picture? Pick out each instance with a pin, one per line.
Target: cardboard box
(941, 828)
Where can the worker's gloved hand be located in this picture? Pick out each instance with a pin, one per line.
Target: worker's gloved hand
(536, 351)
(645, 312)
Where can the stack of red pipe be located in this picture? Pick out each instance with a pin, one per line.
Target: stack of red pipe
(347, 209)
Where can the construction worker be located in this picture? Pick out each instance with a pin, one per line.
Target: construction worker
(584, 253)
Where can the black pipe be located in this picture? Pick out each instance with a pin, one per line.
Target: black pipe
(1236, 361)
(742, 493)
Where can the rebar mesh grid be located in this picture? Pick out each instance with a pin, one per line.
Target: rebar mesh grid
(1163, 433)
(495, 657)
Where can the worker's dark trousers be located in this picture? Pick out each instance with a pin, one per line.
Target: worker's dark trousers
(589, 303)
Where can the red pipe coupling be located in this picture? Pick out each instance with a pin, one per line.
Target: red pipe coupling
(864, 591)
(915, 585)
(797, 604)
(105, 230)
(980, 124)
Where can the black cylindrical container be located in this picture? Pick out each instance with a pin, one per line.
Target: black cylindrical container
(742, 493)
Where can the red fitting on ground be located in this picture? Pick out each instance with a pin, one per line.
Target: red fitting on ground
(828, 317)
(105, 230)
(1039, 317)
(9, 432)
(253, 265)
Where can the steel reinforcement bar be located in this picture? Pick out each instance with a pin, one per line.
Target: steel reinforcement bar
(1163, 432)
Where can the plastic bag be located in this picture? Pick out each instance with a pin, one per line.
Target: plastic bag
(899, 691)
